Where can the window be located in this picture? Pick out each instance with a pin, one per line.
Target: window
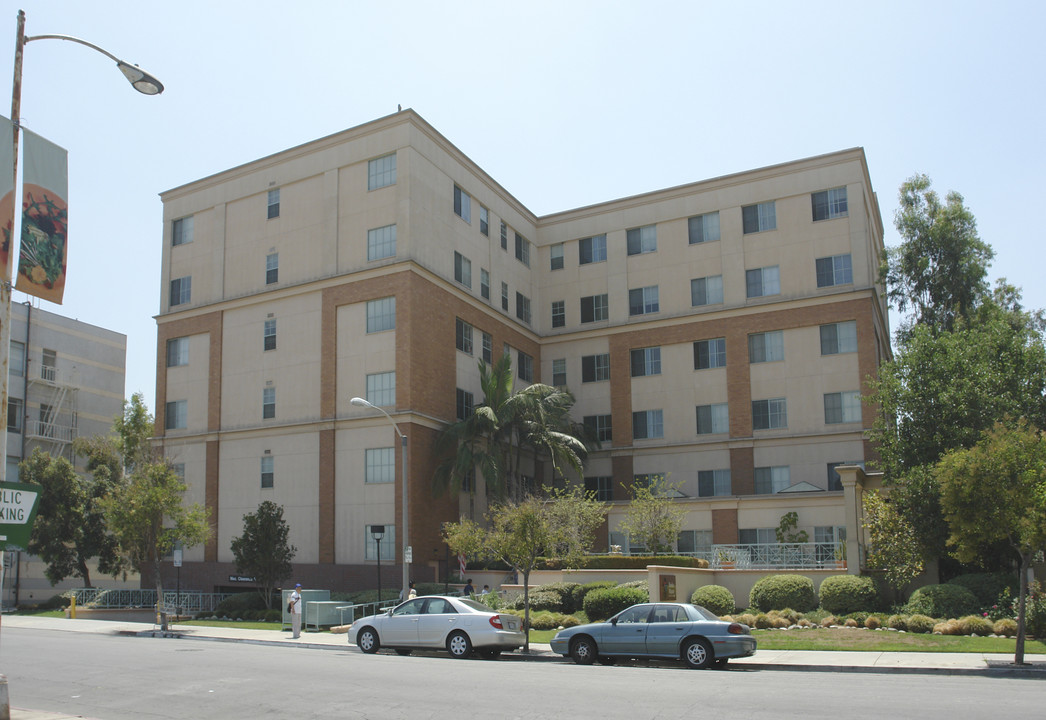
(712, 483)
(15, 411)
(381, 242)
(484, 284)
(594, 307)
(177, 352)
(463, 270)
(769, 414)
(834, 270)
(525, 370)
(504, 296)
(757, 536)
(181, 291)
(381, 389)
(595, 368)
(694, 542)
(643, 301)
(387, 541)
(269, 335)
(522, 249)
(647, 425)
(704, 228)
(706, 291)
(463, 404)
(602, 487)
(834, 481)
(268, 403)
(759, 218)
(463, 336)
(592, 249)
(770, 480)
(49, 364)
(462, 204)
(829, 204)
(710, 354)
(484, 220)
(839, 338)
(274, 204)
(272, 268)
(381, 172)
(766, 347)
(559, 372)
(523, 308)
(17, 358)
(380, 465)
(556, 255)
(488, 347)
(713, 419)
(763, 281)
(642, 240)
(646, 361)
(182, 231)
(268, 470)
(599, 426)
(176, 415)
(559, 313)
(381, 314)
(504, 236)
(842, 407)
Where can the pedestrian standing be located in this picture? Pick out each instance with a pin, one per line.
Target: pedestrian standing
(294, 608)
(412, 593)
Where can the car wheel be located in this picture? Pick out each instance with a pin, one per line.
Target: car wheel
(403, 651)
(459, 645)
(584, 651)
(367, 641)
(490, 654)
(607, 659)
(698, 653)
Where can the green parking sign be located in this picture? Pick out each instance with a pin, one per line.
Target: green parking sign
(18, 503)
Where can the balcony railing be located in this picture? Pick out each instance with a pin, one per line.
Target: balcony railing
(50, 431)
(777, 556)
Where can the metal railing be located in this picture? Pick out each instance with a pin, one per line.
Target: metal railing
(777, 556)
(186, 601)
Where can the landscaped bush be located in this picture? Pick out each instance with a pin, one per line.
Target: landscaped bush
(872, 622)
(544, 621)
(986, 587)
(788, 614)
(829, 621)
(948, 627)
(544, 600)
(845, 594)
(976, 625)
(601, 604)
(897, 622)
(850, 622)
(858, 617)
(623, 562)
(1005, 626)
(783, 591)
(1035, 611)
(920, 624)
(746, 618)
(564, 591)
(238, 603)
(715, 598)
(638, 585)
(942, 601)
(764, 621)
(273, 616)
(582, 590)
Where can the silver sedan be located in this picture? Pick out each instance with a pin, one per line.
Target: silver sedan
(458, 624)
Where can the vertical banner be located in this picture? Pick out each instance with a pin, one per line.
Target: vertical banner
(45, 183)
(7, 196)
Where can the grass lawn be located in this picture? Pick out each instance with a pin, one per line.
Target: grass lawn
(885, 641)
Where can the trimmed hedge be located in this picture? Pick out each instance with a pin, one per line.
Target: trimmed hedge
(775, 592)
(845, 594)
(601, 604)
(582, 591)
(622, 562)
(942, 601)
(987, 587)
(564, 592)
(715, 598)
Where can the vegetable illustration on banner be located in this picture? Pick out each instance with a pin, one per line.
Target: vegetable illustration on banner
(45, 219)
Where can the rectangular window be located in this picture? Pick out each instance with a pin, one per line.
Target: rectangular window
(556, 256)
(834, 481)
(766, 347)
(710, 354)
(559, 313)
(704, 228)
(694, 542)
(594, 308)
(182, 231)
(504, 236)
(770, 480)
(484, 220)
(272, 268)
(643, 301)
(592, 249)
(380, 465)
(559, 372)
(48, 364)
(762, 282)
(177, 352)
(713, 483)
(463, 336)
(504, 296)
(834, 270)
(829, 204)
(842, 407)
(463, 270)
(648, 425)
(15, 412)
(181, 291)
(525, 370)
(463, 404)
(839, 338)
(488, 347)
(601, 487)
(600, 427)
(381, 172)
(386, 538)
(462, 204)
(523, 308)
(268, 471)
(381, 242)
(269, 335)
(268, 403)
(381, 314)
(484, 284)
(646, 361)
(595, 368)
(522, 249)
(274, 204)
(769, 414)
(713, 419)
(759, 218)
(642, 240)
(706, 290)
(176, 416)
(17, 358)
(757, 536)
(381, 389)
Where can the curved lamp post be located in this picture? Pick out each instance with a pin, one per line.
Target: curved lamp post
(360, 402)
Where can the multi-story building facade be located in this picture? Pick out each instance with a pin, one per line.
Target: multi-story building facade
(718, 333)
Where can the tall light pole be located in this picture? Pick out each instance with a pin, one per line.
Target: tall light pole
(360, 402)
(144, 83)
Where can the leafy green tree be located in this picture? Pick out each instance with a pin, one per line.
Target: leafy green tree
(894, 546)
(996, 491)
(262, 551)
(653, 519)
(788, 529)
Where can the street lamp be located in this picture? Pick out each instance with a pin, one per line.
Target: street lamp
(360, 402)
(141, 81)
(378, 531)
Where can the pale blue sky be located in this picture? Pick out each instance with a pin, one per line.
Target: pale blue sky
(564, 103)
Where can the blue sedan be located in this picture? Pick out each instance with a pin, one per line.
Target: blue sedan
(658, 630)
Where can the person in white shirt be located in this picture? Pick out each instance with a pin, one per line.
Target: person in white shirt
(294, 608)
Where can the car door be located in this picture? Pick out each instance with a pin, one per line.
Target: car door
(668, 624)
(401, 627)
(438, 617)
(627, 634)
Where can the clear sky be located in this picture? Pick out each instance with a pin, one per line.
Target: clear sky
(564, 103)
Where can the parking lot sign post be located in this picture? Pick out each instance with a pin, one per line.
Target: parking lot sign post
(18, 503)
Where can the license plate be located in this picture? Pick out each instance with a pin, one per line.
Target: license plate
(512, 626)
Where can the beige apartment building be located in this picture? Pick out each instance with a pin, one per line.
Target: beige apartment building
(717, 333)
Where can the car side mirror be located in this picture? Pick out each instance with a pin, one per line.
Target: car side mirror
(613, 621)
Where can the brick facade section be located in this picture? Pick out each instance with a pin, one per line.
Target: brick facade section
(212, 493)
(724, 526)
(210, 325)
(326, 499)
(742, 470)
(624, 470)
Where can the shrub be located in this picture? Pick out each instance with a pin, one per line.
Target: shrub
(844, 594)
(976, 625)
(872, 622)
(783, 591)
(273, 616)
(638, 585)
(920, 624)
(948, 627)
(943, 601)
(1005, 626)
(543, 621)
(829, 621)
(544, 600)
(746, 619)
(239, 602)
(764, 621)
(715, 598)
(986, 587)
(850, 622)
(897, 622)
(601, 604)
(780, 622)
(623, 562)
(787, 613)
(564, 591)
(1035, 611)
(583, 590)
(858, 617)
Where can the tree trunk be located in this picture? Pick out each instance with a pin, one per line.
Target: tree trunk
(1018, 657)
(161, 610)
(526, 609)
(85, 573)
